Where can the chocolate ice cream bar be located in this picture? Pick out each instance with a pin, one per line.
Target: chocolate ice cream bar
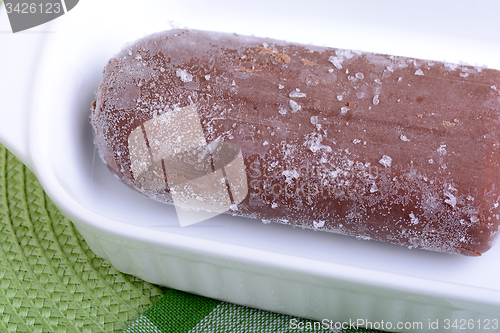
(379, 147)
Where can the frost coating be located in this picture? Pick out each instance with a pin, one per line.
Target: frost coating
(295, 106)
(184, 75)
(360, 76)
(318, 224)
(236, 84)
(336, 62)
(290, 175)
(297, 94)
(451, 199)
(404, 138)
(413, 219)
(313, 142)
(419, 72)
(386, 161)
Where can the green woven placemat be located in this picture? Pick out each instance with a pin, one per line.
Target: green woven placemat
(50, 281)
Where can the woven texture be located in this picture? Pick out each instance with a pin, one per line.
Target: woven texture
(50, 281)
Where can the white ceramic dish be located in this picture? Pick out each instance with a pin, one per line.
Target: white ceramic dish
(273, 267)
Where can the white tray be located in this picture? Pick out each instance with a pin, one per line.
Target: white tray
(273, 267)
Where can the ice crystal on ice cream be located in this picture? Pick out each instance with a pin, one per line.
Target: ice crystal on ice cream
(184, 75)
(386, 161)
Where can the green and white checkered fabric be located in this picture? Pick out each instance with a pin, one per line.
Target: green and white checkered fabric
(185, 313)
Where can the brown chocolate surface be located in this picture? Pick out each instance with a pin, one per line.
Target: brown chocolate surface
(379, 147)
